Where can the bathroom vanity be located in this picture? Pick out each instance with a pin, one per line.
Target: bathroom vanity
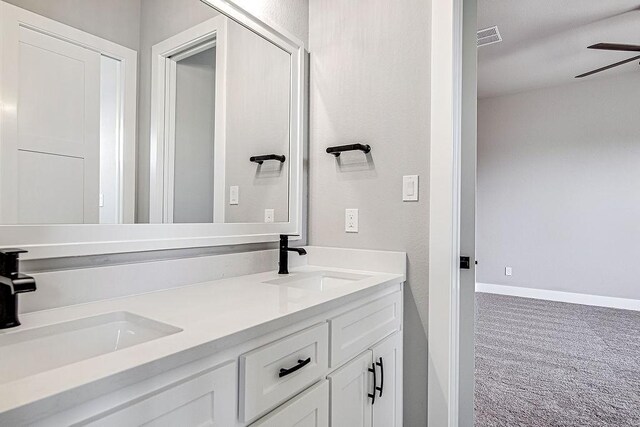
(320, 346)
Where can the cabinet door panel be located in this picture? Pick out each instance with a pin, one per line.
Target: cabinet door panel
(387, 355)
(350, 386)
(309, 409)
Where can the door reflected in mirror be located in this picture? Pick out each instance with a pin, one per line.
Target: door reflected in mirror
(137, 111)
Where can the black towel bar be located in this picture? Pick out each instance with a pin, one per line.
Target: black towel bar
(260, 159)
(336, 151)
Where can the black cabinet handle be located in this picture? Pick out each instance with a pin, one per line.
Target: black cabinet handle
(372, 369)
(381, 377)
(301, 364)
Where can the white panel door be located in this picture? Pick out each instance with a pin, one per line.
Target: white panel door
(350, 388)
(387, 356)
(54, 86)
(308, 409)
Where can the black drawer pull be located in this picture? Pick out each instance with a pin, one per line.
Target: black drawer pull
(301, 364)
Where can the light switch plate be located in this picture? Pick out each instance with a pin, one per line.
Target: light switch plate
(508, 271)
(410, 188)
(351, 220)
(269, 215)
(234, 195)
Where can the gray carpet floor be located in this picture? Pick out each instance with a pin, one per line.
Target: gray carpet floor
(542, 363)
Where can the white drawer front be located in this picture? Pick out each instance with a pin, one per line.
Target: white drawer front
(261, 386)
(358, 329)
(206, 399)
(309, 409)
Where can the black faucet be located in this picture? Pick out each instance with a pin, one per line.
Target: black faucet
(284, 254)
(12, 283)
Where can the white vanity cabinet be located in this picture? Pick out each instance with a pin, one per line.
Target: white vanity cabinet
(367, 391)
(338, 366)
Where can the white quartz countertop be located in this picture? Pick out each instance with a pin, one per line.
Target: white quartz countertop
(210, 312)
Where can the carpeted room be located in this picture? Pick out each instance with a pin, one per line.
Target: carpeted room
(557, 320)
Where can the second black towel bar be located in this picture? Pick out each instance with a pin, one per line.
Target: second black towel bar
(260, 159)
(336, 151)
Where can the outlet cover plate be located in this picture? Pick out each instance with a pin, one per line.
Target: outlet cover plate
(351, 220)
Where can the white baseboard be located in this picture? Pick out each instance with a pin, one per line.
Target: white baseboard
(585, 299)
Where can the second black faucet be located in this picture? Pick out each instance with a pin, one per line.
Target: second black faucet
(283, 263)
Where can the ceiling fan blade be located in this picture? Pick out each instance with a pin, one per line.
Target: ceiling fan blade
(608, 67)
(616, 46)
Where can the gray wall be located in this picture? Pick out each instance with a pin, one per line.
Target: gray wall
(370, 83)
(114, 20)
(559, 188)
(290, 15)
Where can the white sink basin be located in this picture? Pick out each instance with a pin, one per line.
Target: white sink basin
(28, 352)
(317, 280)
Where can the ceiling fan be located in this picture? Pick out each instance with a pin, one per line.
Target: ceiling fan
(613, 46)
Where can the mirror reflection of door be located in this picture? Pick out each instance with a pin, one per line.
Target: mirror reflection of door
(58, 131)
(187, 103)
(225, 99)
(62, 150)
(194, 74)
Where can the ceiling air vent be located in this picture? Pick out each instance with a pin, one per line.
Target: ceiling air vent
(489, 36)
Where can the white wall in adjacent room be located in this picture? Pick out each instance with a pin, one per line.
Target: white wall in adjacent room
(559, 188)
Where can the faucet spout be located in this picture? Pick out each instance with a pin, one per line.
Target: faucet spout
(299, 251)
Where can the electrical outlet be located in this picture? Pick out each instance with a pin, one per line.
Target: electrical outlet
(269, 215)
(508, 271)
(351, 220)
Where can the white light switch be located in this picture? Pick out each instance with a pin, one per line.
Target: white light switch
(351, 220)
(234, 195)
(269, 215)
(410, 188)
(101, 201)
(508, 271)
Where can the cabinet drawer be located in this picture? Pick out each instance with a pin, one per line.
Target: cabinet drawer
(309, 409)
(204, 398)
(273, 373)
(358, 329)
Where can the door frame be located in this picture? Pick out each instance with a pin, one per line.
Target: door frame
(452, 217)
(13, 16)
(163, 96)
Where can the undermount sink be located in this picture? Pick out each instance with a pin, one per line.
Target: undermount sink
(317, 280)
(29, 352)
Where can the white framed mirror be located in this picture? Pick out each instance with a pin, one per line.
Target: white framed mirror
(176, 127)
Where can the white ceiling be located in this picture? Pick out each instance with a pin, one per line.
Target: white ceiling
(545, 41)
